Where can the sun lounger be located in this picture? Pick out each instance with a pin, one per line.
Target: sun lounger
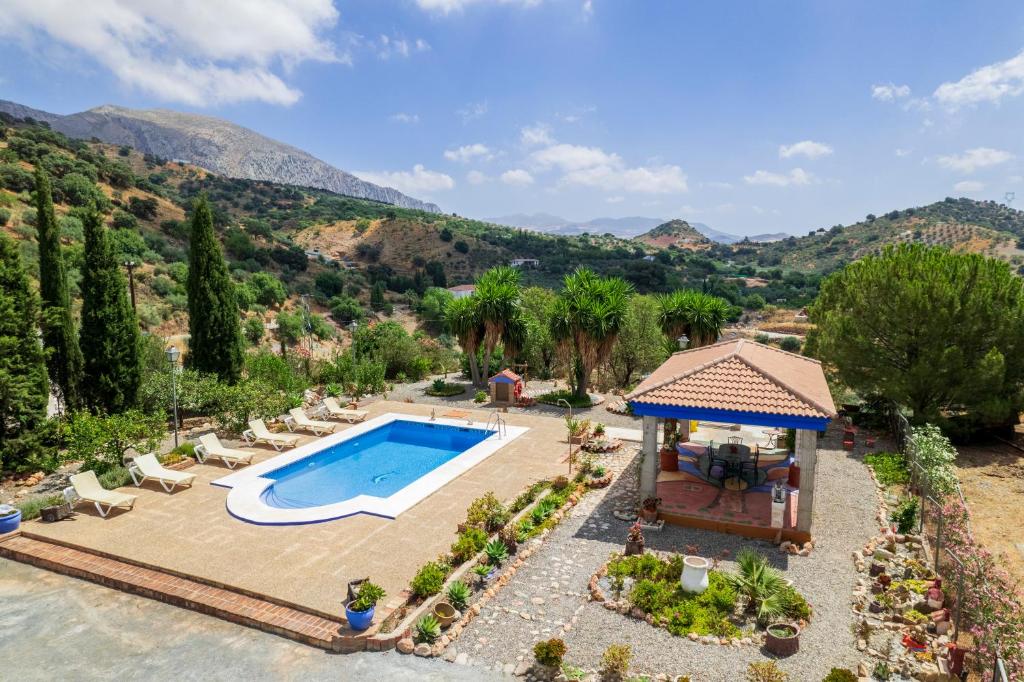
(338, 412)
(147, 468)
(210, 446)
(259, 433)
(88, 488)
(298, 419)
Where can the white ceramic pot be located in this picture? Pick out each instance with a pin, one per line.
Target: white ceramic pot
(695, 573)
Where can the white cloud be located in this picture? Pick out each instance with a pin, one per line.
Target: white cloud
(475, 177)
(387, 47)
(901, 152)
(889, 92)
(617, 199)
(807, 148)
(469, 152)
(988, 84)
(968, 186)
(472, 111)
(797, 176)
(419, 180)
(402, 117)
(569, 157)
(532, 136)
(973, 159)
(517, 178)
(192, 51)
(594, 167)
(588, 9)
(449, 6)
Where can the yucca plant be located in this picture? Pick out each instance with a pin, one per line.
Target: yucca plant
(458, 594)
(496, 552)
(427, 630)
(763, 586)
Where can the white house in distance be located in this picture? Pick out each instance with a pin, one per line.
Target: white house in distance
(462, 290)
(524, 263)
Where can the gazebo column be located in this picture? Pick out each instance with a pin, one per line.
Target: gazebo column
(807, 459)
(649, 466)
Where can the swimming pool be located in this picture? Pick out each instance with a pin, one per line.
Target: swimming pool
(382, 467)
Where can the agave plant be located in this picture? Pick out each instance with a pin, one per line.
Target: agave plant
(427, 630)
(496, 552)
(458, 594)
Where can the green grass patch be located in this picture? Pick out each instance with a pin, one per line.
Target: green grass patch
(889, 467)
(553, 397)
(443, 389)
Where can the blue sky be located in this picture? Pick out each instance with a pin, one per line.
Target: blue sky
(748, 116)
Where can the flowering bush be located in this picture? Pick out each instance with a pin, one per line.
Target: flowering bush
(936, 455)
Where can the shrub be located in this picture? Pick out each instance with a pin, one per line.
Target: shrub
(100, 442)
(615, 661)
(30, 509)
(524, 499)
(560, 483)
(763, 587)
(115, 477)
(936, 455)
(430, 578)
(487, 512)
(470, 542)
(553, 398)
(481, 397)
(840, 675)
(458, 594)
(369, 595)
(905, 515)
(790, 343)
(765, 671)
(427, 630)
(890, 467)
(549, 653)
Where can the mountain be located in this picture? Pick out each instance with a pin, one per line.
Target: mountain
(541, 222)
(716, 235)
(964, 225)
(675, 233)
(768, 237)
(214, 144)
(625, 228)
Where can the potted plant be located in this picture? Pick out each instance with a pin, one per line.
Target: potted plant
(598, 430)
(649, 509)
(782, 639)
(635, 540)
(668, 455)
(10, 518)
(359, 611)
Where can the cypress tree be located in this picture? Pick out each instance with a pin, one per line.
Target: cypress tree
(24, 390)
(64, 358)
(215, 342)
(110, 331)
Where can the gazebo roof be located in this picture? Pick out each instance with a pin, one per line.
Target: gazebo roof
(740, 380)
(506, 376)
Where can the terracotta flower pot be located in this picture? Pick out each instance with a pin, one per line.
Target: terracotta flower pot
(782, 639)
(669, 459)
(633, 548)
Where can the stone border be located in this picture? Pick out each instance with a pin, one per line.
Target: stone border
(622, 606)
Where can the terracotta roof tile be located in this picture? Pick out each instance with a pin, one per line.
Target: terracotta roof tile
(506, 374)
(741, 376)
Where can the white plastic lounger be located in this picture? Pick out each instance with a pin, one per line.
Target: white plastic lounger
(147, 467)
(298, 419)
(259, 433)
(338, 412)
(210, 446)
(88, 488)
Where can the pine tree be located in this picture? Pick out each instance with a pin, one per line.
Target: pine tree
(215, 343)
(110, 331)
(24, 390)
(64, 358)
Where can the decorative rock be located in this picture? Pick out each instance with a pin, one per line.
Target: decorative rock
(693, 636)
(444, 641)
(406, 645)
(462, 658)
(422, 649)
(637, 612)
(521, 669)
(450, 655)
(437, 649)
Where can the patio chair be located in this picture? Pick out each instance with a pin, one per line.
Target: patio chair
(259, 433)
(147, 468)
(210, 446)
(297, 418)
(338, 412)
(750, 466)
(736, 440)
(88, 489)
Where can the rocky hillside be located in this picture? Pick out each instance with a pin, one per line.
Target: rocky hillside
(214, 144)
(678, 233)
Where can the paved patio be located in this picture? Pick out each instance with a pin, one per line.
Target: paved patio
(191, 533)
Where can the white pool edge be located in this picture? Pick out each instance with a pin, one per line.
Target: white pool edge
(247, 485)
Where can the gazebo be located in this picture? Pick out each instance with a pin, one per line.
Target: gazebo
(731, 383)
(506, 387)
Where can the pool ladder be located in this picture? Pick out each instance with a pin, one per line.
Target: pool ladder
(499, 425)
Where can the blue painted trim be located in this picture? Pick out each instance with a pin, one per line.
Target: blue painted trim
(501, 380)
(729, 416)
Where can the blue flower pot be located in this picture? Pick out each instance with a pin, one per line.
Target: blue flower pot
(9, 524)
(358, 620)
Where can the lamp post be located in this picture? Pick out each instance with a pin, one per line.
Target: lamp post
(172, 357)
(130, 264)
(683, 341)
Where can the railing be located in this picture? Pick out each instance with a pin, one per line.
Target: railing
(499, 425)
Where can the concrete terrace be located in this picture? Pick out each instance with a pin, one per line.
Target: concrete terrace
(191, 533)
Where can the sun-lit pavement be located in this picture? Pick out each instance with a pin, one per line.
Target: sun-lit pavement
(55, 627)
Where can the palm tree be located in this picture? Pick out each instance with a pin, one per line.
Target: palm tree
(699, 315)
(586, 320)
(498, 300)
(463, 321)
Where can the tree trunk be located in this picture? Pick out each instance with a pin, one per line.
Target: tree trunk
(474, 370)
(486, 368)
(582, 379)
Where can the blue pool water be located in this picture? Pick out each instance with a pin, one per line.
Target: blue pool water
(379, 462)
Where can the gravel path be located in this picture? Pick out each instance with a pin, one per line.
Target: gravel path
(843, 521)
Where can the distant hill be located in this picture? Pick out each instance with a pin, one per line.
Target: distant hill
(717, 235)
(214, 144)
(677, 233)
(962, 224)
(769, 237)
(625, 228)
